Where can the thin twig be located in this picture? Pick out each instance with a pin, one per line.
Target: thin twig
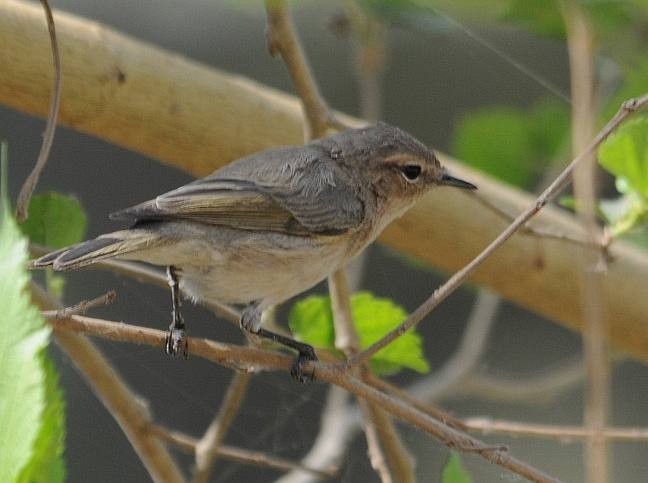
(82, 307)
(188, 443)
(207, 448)
(129, 410)
(22, 204)
(581, 49)
(282, 39)
(254, 359)
(563, 433)
(454, 282)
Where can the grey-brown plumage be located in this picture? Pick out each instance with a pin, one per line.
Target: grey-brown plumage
(271, 225)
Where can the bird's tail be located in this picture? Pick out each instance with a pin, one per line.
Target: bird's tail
(106, 246)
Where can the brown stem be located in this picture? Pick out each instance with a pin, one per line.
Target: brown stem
(581, 48)
(562, 433)
(253, 359)
(207, 448)
(22, 204)
(257, 458)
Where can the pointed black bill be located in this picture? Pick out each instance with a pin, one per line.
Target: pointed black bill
(448, 180)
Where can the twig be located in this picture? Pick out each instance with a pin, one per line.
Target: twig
(581, 49)
(82, 307)
(22, 204)
(257, 458)
(563, 433)
(547, 195)
(254, 359)
(282, 39)
(129, 410)
(207, 448)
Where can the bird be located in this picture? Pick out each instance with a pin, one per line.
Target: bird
(270, 225)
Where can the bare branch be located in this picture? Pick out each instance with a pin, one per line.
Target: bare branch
(82, 307)
(257, 458)
(22, 205)
(582, 51)
(566, 434)
(207, 448)
(254, 359)
(454, 282)
(129, 410)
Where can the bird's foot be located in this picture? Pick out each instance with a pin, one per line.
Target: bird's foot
(306, 355)
(176, 342)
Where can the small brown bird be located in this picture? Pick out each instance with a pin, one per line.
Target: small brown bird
(271, 225)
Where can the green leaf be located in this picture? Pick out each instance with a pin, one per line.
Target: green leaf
(46, 464)
(511, 144)
(544, 17)
(635, 80)
(625, 154)
(311, 320)
(55, 220)
(454, 472)
(23, 336)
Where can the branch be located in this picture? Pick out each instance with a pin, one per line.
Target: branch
(257, 458)
(179, 110)
(563, 433)
(547, 195)
(22, 205)
(127, 408)
(253, 359)
(581, 49)
(207, 448)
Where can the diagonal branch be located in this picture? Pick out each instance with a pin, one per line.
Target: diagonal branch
(454, 282)
(207, 447)
(253, 359)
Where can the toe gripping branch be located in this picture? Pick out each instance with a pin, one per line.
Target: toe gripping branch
(176, 341)
(250, 321)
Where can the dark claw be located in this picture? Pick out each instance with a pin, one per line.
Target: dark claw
(176, 342)
(297, 370)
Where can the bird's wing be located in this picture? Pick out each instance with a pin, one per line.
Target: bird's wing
(291, 195)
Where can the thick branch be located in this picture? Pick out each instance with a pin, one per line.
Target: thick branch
(187, 115)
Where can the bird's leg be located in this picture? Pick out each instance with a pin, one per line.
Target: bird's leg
(251, 322)
(176, 340)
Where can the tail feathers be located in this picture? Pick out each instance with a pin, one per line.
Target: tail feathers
(91, 251)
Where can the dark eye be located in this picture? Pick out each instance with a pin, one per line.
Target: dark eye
(411, 171)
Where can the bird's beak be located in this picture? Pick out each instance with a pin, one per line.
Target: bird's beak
(448, 180)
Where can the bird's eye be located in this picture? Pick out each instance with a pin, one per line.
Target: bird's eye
(411, 172)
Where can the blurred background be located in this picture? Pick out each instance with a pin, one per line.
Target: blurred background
(471, 80)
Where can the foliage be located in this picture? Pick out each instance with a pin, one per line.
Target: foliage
(454, 472)
(31, 410)
(39, 413)
(311, 320)
(55, 220)
(510, 143)
(625, 155)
